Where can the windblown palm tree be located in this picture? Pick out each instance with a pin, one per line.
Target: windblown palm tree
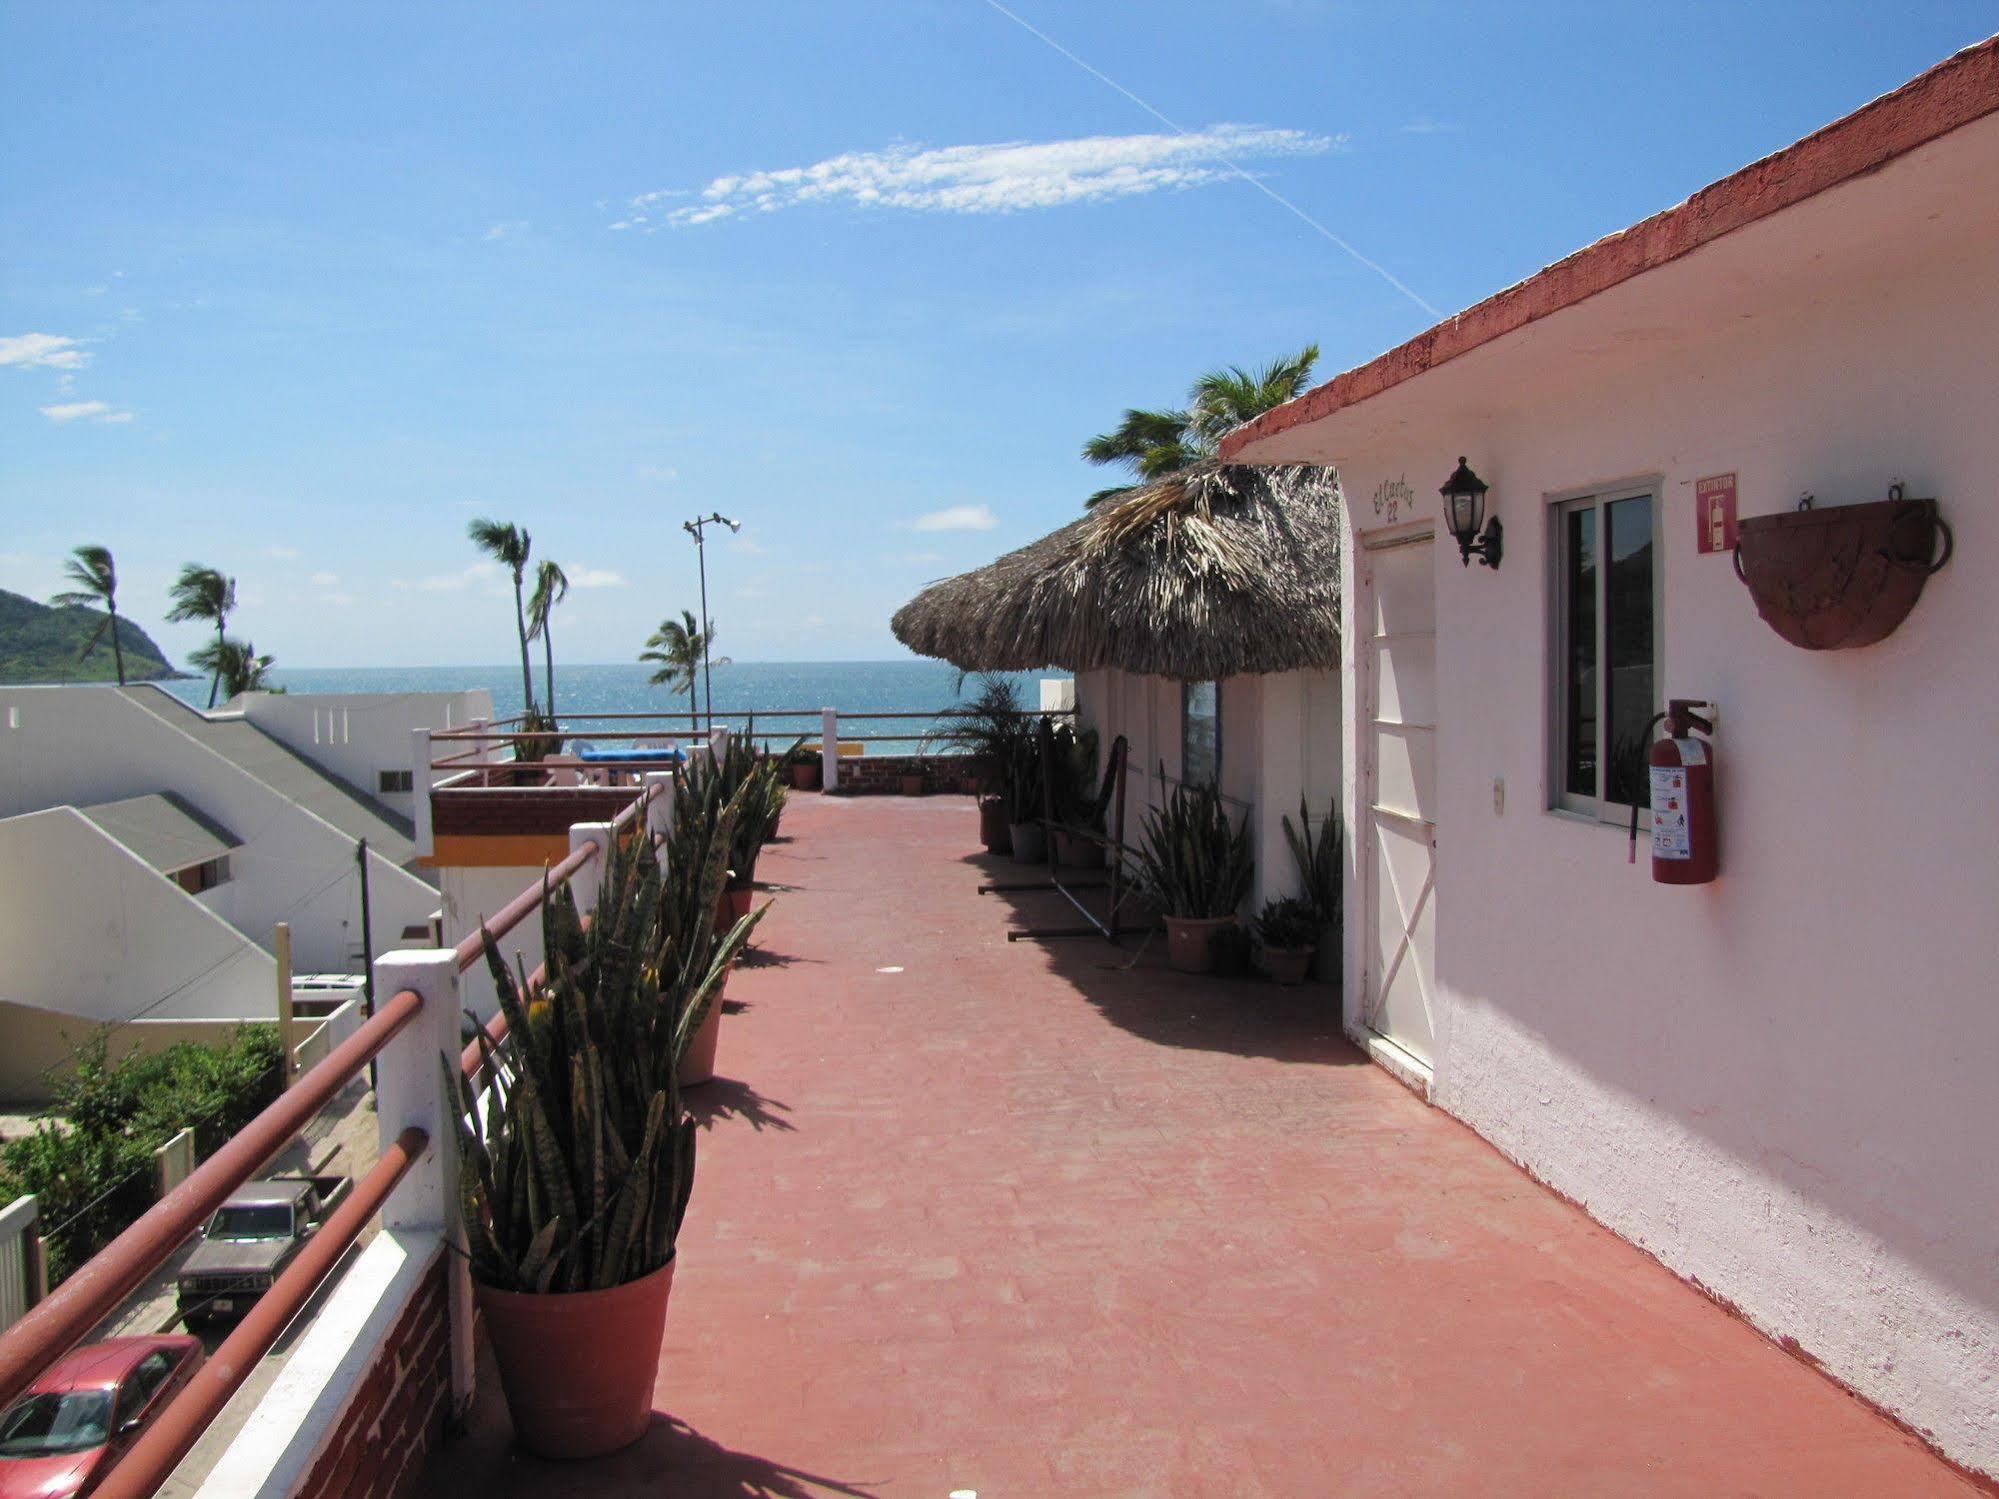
(1155, 443)
(509, 545)
(95, 577)
(236, 665)
(676, 648)
(551, 587)
(204, 593)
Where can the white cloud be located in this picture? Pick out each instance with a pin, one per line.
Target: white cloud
(658, 473)
(505, 230)
(74, 411)
(282, 552)
(1002, 177)
(596, 577)
(957, 518)
(42, 351)
(465, 577)
(749, 546)
(323, 580)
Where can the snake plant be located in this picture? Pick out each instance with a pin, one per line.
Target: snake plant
(1191, 860)
(1317, 856)
(749, 778)
(576, 1168)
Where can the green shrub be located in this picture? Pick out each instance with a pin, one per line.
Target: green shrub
(90, 1160)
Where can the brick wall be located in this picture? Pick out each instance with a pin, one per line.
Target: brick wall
(396, 1415)
(876, 775)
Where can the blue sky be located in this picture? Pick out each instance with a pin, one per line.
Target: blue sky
(298, 290)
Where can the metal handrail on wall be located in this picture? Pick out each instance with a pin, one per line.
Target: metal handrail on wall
(96, 1289)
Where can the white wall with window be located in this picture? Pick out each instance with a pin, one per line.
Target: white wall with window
(1773, 1082)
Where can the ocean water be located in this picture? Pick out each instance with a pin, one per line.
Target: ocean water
(914, 690)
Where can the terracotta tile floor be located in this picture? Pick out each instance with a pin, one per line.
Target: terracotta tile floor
(1009, 1219)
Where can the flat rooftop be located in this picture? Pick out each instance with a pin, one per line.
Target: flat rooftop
(1029, 1219)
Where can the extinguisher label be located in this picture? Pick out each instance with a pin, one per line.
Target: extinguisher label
(1669, 813)
(1692, 751)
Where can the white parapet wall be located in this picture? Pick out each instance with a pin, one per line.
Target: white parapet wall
(361, 737)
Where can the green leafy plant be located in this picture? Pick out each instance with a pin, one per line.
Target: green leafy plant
(90, 1158)
(991, 727)
(1191, 859)
(1080, 801)
(744, 775)
(529, 749)
(1289, 925)
(577, 1173)
(1317, 856)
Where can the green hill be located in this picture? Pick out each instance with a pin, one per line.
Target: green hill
(39, 644)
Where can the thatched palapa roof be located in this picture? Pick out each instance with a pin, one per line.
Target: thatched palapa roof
(1216, 571)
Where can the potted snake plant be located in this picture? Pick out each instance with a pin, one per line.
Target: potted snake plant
(1198, 867)
(1317, 855)
(576, 1169)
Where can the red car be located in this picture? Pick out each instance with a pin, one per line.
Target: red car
(61, 1438)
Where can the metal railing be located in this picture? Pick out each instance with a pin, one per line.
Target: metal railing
(99, 1286)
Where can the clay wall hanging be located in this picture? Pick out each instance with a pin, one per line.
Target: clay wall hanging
(1834, 579)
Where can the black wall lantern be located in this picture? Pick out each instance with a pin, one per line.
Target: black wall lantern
(1464, 509)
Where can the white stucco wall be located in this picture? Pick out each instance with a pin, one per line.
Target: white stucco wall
(355, 736)
(1280, 737)
(475, 894)
(1781, 1084)
(81, 745)
(89, 930)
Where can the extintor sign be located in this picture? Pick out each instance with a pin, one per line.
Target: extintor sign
(1714, 513)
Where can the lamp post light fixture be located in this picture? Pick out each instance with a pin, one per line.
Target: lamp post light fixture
(1464, 508)
(694, 528)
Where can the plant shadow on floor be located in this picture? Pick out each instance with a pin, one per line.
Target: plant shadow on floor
(693, 1466)
(1131, 985)
(764, 957)
(725, 1098)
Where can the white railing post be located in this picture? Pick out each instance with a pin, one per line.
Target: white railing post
(482, 747)
(829, 747)
(409, 1090)
(659, 811)
(420, 784)
(585, 884)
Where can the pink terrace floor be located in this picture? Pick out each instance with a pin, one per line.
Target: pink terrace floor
(1005, 1218)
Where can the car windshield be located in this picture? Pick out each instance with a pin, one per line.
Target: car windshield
(264, 1221)
(39, 1424)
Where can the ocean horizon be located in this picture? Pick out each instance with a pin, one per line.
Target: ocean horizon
(916, 690)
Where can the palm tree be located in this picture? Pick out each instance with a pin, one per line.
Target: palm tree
(509, 545)
(95, 575)
(551, 587)
(1152, 444)
(676, 647)
(236, 666)
(203, 593)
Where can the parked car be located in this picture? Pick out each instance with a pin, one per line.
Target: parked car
(59, 1439)
(249, 1240)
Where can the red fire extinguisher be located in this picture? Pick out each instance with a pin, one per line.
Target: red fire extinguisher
(1680, 769)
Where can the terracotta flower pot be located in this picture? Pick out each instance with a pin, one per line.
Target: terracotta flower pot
(1287, 965)
(992, 827)
(806, 775)
(698, 1065)
(1190, 941)
(578, 1368)
(1029, 840)
(738, 902)
(912, 784)
(1077, 852)
(1326, 956)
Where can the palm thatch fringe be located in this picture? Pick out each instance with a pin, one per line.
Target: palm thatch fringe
(1219, 570)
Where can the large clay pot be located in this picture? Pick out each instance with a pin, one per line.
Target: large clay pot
(738, 902)
(806, 775)
(579, 1367)
(697, 1066)
(1030, 842)
(1078, 852)
(992, 827)
(1287, 965)
(1190, 941)
(912, 784)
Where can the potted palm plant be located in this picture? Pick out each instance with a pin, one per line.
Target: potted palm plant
(1287, 932)
(575, 1174)
(986, 728)
(806, 769)
(1079, 801)
(1198, 867)
(1317, 855)
(1022, 801)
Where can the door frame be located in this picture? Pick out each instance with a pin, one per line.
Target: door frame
(1359, 780)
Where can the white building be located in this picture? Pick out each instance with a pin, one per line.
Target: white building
(1780, 1083)
(150, 850)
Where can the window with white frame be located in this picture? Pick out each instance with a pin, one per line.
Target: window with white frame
(1606, 616)
(391, 782)
(1201, 733)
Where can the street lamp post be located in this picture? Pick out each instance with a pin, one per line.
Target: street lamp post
(694, 528)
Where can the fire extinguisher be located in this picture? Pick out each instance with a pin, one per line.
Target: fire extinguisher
(1680, 770)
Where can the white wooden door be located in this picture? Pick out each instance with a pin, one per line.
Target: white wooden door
(1398, 1000)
